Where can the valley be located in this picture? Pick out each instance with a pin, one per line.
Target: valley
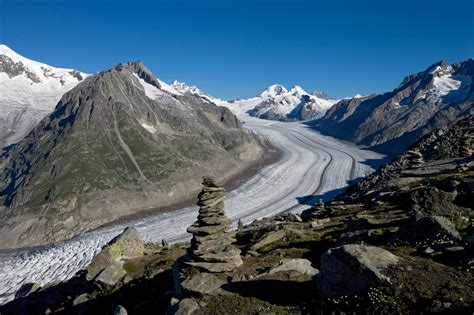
(311, 167)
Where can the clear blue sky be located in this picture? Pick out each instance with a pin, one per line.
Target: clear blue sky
(236, 48)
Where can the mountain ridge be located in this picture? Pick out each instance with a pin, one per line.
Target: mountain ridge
(391, 121)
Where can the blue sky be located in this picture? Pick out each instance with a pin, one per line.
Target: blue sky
(237, 48)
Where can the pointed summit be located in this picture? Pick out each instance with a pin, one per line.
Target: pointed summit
(273, 90)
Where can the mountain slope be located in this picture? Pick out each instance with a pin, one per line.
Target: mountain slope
(118, 142)
(29, 91)
(391, 121)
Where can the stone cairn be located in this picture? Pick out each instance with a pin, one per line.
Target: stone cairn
(211, 246)
(415, 158)
(319, 210)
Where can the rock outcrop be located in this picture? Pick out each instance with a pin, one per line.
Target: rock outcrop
(211, 246)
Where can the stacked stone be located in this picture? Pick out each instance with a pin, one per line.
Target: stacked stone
(211, 246)
(319, 210)
(415, 158)
(466, 149)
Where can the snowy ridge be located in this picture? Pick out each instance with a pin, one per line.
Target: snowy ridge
(279, 103)
(29, 91)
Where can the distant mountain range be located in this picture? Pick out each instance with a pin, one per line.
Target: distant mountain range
(119, 142)
(29, 90)
(391, 121)
(276, 103)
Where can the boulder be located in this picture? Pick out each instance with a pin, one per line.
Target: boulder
(300, 265)
(184, 307)
(111, 275)
(120, 310)
(426, 231)
(80, 299)
(353, 269)
(108, 263)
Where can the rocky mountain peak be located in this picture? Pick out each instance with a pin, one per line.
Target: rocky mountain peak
(322, 95)
(139, 68)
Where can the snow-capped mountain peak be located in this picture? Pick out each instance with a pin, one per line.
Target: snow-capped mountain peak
(184, 88)
(273, 90)
(29, 91)
(298, 91)
(13, 65)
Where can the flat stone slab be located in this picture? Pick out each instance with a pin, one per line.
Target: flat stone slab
(299, 265)
(203, 283)
(218, 267)
(268, 239)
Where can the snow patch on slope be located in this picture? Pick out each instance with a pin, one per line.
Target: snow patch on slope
(148, 127)
(150, 90)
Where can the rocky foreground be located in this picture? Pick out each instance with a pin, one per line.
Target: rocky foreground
(400, 241)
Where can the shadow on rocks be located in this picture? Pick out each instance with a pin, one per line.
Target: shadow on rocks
(277, 292)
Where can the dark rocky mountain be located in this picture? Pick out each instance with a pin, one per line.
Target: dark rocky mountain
(392, 121)
(399, 248)
(119, 142)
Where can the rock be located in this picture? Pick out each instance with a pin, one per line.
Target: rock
(120, 310)
(300, 265)
(353, 269)
(293, 217)
(454, 249)
(317, 211)
(185, 307)
(83, 298)
(240, 225)
(432, 201)
(428, 251)
(111, 275)
(27, 289)
(429, 230)
(212, 246)
(165, 244)
(269, 238)
(203, 283)
(356, 237)
(125, 246)
(415, 158)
